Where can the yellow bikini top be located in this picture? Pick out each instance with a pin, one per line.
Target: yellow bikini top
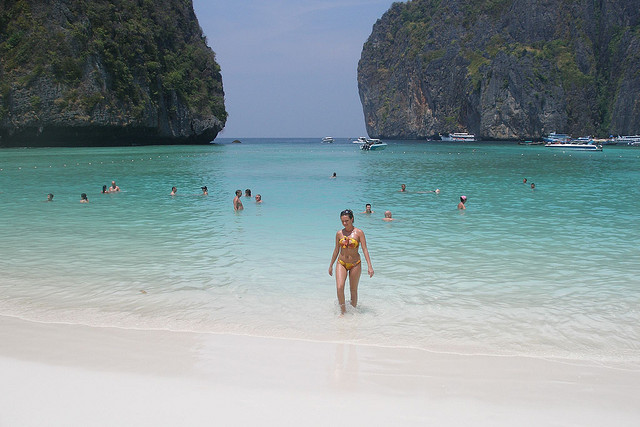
(348, 242)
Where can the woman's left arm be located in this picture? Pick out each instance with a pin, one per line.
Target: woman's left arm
(365, 251)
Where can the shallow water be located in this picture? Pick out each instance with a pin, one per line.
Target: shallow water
(551, 272)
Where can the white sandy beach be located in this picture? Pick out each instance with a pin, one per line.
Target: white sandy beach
(64, 375)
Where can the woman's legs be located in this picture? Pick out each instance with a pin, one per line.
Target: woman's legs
(341, 278)
(354, 279)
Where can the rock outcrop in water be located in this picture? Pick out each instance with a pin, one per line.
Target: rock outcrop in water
(503, 69)
(98, 72)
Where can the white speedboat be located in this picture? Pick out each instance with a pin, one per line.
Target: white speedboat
(361, 140)
(574, 146)
(327, 139)
(459, 137)
(373, 144)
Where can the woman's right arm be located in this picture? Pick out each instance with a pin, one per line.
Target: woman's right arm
(336, 251)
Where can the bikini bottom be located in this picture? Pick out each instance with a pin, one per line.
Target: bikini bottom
(348, 265)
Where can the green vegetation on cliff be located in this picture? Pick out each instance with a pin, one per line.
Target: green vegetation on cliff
(502, 68)
(117, 62)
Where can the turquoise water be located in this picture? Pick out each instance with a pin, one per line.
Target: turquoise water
(551, 272)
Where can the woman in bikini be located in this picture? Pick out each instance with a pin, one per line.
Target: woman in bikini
(347, 241)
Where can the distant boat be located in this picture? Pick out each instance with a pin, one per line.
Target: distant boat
(459, 137)
(327, 139)
(373, 144)
(575, 146)
(629, 139)
(557, 137)
(360, 140)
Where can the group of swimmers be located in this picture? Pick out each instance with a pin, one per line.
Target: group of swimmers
(237, 202)
(204, 188)
(387, 214)
(524, 181)
(83, 197)
(461, 204)
(113, 189)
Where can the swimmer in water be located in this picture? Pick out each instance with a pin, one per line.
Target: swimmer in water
(463, 200)
(348, 239)
(367, 209)
(83, 198)
(387, 216)
(237, 203)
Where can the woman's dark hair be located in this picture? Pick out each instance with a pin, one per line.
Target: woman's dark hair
(347, 212)
(83, 196)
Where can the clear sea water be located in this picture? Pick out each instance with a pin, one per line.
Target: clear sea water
(553, 272)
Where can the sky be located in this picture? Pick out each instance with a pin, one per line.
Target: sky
(289, 67)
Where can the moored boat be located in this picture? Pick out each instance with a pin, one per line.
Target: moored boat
(575, 146)
(327, 139)
(582, 140)
(459, 137)
(373, 144)
(554, 137)
(628, 139)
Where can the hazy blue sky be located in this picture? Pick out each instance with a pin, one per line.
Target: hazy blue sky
(289, 66)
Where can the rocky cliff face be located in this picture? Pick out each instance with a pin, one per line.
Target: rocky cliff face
(98, 72)
(503, 69)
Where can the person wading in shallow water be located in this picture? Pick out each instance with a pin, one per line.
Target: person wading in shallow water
(237, 203)
(349, 265)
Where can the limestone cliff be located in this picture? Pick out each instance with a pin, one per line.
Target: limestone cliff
(98, 72)
(503, 69)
